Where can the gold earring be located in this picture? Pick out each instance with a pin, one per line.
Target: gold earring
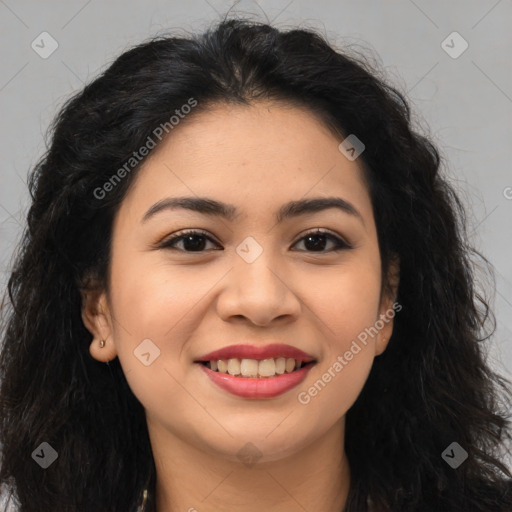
(102, 343)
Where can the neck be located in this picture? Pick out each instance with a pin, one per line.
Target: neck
(316, 477)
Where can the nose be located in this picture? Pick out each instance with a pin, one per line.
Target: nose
(258, 292)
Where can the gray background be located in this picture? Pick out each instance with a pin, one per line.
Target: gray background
(463, 103)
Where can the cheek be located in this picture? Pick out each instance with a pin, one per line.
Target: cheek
(346, 302)
(347, 310)
(152, 299)
(154, 313)
(346, 307)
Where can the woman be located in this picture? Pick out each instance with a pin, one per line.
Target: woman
(245, 285)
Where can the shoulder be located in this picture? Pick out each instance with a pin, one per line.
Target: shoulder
(496, 497)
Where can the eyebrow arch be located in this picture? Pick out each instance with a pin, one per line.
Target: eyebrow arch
(212, 207)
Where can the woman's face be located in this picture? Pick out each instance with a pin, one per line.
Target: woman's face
(246, 279)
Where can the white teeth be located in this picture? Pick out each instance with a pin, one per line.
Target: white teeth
(249, 368)
(234, 366)
(253, 368)
(280, 365)
(267, 368)
(290, 365)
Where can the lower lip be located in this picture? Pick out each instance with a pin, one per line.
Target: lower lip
(266, 387)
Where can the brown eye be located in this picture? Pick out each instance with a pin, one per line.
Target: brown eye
(316, 241)
(193, 241)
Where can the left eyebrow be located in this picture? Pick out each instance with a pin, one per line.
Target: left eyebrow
(208, 206)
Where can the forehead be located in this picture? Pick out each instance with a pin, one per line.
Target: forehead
(262, 154)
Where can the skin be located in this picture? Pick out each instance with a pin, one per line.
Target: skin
(190, 303)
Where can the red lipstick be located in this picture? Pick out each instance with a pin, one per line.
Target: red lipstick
(260, 387)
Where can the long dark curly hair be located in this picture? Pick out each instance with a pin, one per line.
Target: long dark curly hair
(430, 388)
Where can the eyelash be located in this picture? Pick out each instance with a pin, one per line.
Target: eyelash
(340, 244)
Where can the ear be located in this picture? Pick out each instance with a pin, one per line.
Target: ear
(97, 319)
(388, 306)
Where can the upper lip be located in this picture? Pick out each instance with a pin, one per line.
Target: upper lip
(257, 352)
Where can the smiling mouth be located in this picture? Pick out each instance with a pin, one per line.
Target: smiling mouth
(253, 368)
